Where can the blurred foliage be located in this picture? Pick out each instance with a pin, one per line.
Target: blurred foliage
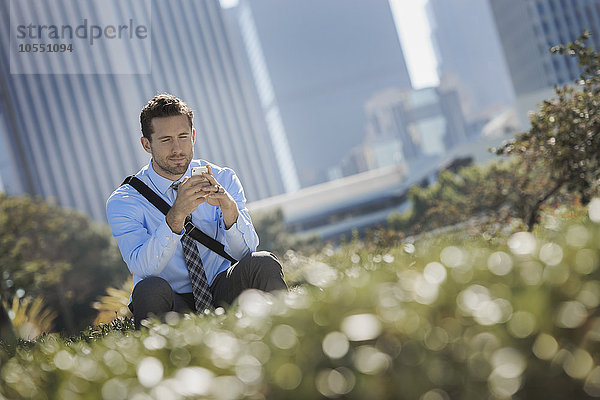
(564, 137)
(58, 254)
(459, 315)
(8, 338)
(275, 237)
(498, 192)
(29, 317)
(114, 304)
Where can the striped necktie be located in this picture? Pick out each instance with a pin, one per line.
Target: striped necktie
(200, 287)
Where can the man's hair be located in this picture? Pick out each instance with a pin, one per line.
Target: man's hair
(163, 105)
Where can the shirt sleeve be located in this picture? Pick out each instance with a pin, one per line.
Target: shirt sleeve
(145, 252)
(241, 238)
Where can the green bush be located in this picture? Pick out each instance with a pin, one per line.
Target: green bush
(58, 254)
(454, 316)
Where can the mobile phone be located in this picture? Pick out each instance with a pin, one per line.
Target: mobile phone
(199, 170)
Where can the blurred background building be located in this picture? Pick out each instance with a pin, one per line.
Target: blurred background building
(325, 59)
(405, 126)
(74, 137)
(527, 30)
(470, 57)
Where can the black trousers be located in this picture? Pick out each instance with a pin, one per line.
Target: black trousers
(258, 270)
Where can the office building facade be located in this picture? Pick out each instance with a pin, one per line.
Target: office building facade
(527, 30)
(74, 136)
(245, 36)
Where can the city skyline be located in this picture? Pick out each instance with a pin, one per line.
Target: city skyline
(239, 90)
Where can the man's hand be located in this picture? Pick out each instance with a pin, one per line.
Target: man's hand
(189, 196)
(217, 196)
(196, 190)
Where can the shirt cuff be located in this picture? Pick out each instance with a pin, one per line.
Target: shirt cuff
(238, 238)
(164, 230)
(235, 231)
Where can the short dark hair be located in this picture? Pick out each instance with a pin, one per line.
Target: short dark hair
(163, 105)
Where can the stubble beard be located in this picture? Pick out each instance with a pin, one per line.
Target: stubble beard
(173, 169)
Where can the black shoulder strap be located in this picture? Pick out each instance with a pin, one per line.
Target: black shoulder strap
(148, 193)
(190, 229)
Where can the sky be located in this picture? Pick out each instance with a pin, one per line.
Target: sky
(414, 33)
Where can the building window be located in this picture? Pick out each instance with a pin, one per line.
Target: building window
(540, 8)
(545, 28)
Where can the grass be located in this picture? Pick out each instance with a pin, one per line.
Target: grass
(462, 315)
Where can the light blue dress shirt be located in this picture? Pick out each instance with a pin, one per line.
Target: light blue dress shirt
(150, 248)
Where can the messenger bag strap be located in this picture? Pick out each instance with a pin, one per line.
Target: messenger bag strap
(190, 229)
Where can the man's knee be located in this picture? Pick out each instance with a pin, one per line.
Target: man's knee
(268, 269)
(151, 296)
(265, 262)
(151, 286)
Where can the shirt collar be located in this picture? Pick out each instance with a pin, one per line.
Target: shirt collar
(161, 183)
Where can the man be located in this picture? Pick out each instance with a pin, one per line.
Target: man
(171, 271)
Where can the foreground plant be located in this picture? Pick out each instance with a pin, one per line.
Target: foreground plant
(30, 317)
(435, 319)
(114, 304)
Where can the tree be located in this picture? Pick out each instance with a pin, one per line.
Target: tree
(58, 254)
(498, 191)
(563, 140)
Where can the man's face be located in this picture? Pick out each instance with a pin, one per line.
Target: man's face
(172, 146)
